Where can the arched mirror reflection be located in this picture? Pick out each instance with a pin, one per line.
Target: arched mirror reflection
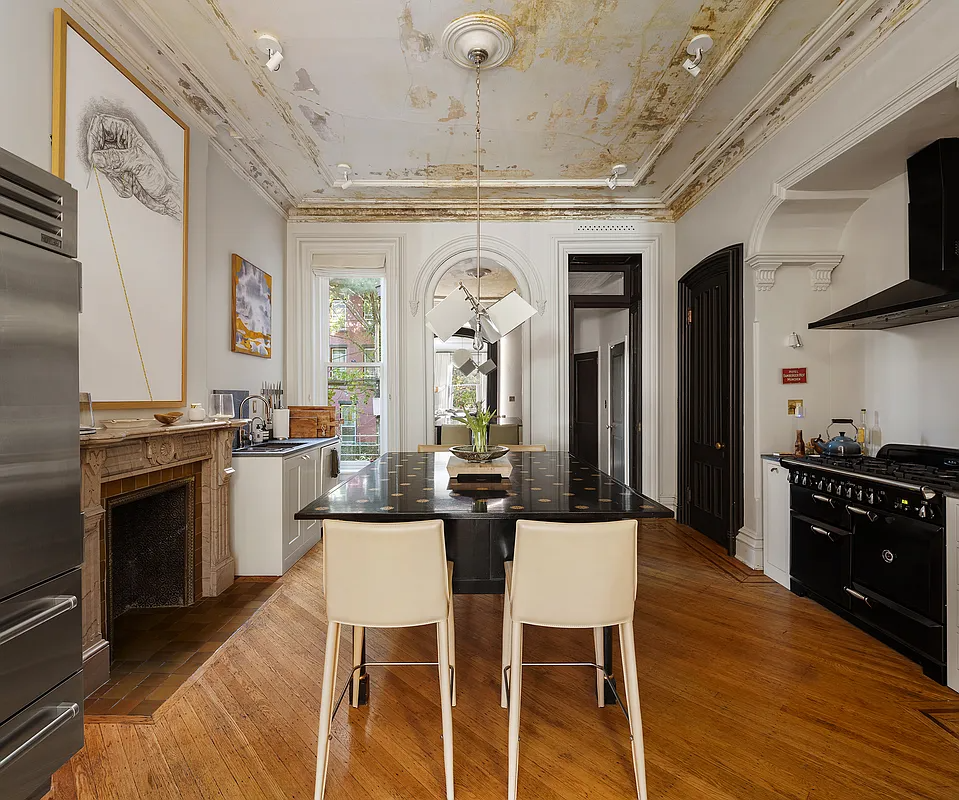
(456, 385)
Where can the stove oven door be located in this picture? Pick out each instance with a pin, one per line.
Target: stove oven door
(901, 560)
(819, 558)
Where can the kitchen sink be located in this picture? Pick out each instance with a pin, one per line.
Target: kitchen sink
(270, 447)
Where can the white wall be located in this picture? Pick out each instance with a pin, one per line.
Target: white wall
(841, 379)
(538, 245)
(510, 369)
(596, 329)
(239, 220)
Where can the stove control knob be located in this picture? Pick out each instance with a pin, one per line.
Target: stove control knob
(870, 497)
(927, 493)
(859, 493)
(849, 489)
(805, 480)
(821, 484)
(829, 487)
(926, 511)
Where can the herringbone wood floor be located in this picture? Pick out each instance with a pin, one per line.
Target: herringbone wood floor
(748, 692)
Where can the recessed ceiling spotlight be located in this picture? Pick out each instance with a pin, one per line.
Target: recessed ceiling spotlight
(613, 180)
(270, 46)
(347, 170)
(696, 49)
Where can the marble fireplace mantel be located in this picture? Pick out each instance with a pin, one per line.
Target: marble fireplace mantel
(119, 455)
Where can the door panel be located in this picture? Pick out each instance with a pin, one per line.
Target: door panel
(708, 401)
(291, 503)
(711, 397)
(585, 439)
(617, 411)
(40, 523)
(309, 491)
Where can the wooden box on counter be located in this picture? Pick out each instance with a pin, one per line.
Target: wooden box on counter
(313, 422)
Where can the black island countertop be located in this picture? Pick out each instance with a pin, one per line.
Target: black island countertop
(551, 485)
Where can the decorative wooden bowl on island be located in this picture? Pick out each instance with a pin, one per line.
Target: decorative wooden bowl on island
(168, 419)
(467, 453)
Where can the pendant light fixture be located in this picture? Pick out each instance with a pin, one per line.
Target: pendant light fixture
(478, 42)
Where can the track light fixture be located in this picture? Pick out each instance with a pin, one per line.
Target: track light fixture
(696, 49)
(270, 46)
(613, 180)
(347, 171)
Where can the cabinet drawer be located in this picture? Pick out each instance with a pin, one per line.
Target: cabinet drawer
(819, 506)
(819, 558)
(41, 739)
(40, 641)
(925, 635)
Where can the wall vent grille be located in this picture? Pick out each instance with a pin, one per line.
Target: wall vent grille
(606, 227)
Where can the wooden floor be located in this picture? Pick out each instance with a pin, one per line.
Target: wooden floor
(747, 691)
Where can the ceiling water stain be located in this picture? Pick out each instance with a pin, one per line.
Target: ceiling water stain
(455, 111)
(319, 123)
(415, 44)
(564, 29)
(421, 96)
(532, 116)
(304, 83)
(198, 102)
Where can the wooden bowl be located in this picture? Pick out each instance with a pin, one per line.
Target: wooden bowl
(168, 419)
(466, 452)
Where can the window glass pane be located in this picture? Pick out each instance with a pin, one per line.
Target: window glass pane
(356, 318)
(597, 283)
(355, 392)
(337, 353)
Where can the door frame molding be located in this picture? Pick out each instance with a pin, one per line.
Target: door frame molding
(731, 257)
(650, 247)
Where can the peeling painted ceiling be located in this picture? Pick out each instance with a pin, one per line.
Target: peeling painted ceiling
(591, 83)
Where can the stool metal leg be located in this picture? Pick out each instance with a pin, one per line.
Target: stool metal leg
(326, 707)
(598, 655)
(446, 701)
(515, 694)
(356, 682)
(628, 646)
(452, 634)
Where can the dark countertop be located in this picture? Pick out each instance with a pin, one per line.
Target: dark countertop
(263, 450)
(551, 485)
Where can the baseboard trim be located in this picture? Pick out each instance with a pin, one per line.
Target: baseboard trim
(96, 666)
(749, 548)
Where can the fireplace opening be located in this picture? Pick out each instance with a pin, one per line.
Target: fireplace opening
(150, 543)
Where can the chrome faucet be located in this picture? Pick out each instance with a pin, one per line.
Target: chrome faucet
(248, 431)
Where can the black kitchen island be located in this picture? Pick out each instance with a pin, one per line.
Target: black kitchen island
(479, 518)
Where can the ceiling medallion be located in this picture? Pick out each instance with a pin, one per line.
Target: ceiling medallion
(478, 32)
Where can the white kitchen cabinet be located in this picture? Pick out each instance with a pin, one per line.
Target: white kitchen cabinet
(776, 521)
(267, 491)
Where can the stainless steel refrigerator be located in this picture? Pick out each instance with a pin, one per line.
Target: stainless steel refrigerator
(41, 529)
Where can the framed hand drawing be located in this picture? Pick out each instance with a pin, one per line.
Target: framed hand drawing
(128, 157)
(252, 309)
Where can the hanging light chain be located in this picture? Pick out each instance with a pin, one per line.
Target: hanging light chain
(478, 61)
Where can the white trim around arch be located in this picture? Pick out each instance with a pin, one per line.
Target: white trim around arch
(650, 249)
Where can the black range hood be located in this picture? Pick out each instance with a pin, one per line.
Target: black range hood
(932, 290)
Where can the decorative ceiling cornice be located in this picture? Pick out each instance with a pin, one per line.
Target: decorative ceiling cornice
(853, 31)
(439, 210)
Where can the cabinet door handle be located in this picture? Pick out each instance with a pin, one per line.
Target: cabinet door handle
(821, 499)
(774, 469)
(872, 515)
(822, 532)
(857, 595)
(61, 605)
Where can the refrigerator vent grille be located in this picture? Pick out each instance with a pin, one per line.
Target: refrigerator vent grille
(32, 205)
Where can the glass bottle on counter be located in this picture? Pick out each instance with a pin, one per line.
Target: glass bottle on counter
(875, 435)
(799, 449)
(861, 433)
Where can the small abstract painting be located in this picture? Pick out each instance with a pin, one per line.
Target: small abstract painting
(252, 309)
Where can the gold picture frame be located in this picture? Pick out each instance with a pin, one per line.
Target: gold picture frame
(251, 286)
(110, 249)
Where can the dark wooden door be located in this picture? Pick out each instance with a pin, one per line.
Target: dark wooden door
(711, 430)
(617, 412)
(585, 438)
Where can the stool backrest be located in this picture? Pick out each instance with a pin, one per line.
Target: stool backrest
(574, 575)
(385, 575)
(503, 434)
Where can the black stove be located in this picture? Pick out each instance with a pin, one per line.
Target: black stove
(867, 540)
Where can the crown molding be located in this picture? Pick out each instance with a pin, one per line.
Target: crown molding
(195, 94)
(820, 266)
(396, 210)
(853, 30)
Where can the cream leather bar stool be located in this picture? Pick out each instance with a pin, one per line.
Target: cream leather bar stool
(572, 575)
(392, 575)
